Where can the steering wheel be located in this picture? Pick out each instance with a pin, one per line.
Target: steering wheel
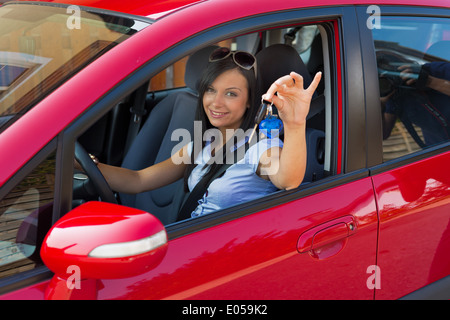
(94, 174)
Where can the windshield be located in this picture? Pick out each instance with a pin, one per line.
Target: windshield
(42, 46)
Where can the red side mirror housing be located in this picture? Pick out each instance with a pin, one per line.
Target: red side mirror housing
(104, 241)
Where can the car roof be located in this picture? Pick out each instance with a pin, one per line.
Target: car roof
(159, 8)
(152, 8)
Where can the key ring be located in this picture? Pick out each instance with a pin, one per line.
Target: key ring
(265, 111)
(269, 110)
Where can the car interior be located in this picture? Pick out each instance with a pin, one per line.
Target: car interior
(137, 132)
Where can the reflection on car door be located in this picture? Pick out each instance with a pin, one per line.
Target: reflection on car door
(412, 187)
(414, 242)
(257, 256)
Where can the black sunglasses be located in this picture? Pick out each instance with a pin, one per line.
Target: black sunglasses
(243, 59)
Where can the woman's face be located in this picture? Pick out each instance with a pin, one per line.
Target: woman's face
(226, 100)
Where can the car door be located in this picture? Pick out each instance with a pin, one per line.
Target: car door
(412, 183)
(257, 256)
(315, 242)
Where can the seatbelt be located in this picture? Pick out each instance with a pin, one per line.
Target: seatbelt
(202, 186)
(137, 110)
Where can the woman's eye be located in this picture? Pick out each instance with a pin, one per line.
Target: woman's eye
(232, 94)
(210, 90)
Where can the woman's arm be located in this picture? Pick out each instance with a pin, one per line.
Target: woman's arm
(286, 167)
(153, 177)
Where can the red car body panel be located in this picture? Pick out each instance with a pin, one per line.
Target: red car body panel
(415, 241)
(206, 271)
(197, 268)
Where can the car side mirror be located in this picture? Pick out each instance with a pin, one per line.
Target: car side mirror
(100, 240)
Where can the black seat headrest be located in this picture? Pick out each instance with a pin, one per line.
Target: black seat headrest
(195, 66)
(279, 60)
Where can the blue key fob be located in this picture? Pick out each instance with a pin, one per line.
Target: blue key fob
(271, 126)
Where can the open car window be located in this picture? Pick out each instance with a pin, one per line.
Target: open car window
(170, 102)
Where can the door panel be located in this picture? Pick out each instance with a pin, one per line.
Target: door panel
(256, 256)
(414, 244)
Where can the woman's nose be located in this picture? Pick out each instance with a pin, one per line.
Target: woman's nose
(218, 100)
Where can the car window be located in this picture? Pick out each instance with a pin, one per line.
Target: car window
(41, 46)
(413, 58)
(25, 218)
(168, 111)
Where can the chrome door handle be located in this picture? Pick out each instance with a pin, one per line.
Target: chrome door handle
(326, 233)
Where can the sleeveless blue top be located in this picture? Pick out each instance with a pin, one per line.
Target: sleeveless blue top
(240, 183)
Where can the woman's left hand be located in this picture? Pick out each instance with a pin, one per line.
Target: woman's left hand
(292, 99)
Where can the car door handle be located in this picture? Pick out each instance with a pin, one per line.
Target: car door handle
(326, 233)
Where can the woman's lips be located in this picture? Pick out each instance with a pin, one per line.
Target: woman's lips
(216, 114)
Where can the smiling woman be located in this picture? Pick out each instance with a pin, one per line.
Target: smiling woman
(42, 46)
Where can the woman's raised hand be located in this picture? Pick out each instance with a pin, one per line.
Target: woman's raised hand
(292, 99)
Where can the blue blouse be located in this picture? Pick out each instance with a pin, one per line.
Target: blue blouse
(240, 183)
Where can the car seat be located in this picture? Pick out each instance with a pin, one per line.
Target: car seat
(276, 61)
(154, 144)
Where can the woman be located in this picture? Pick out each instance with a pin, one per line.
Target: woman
(227, 104)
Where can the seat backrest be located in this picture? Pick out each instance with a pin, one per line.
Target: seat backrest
(154, 144)
(279, 60)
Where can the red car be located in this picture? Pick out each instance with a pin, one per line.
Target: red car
(117, 79)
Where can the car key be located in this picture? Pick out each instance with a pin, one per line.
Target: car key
(261, 114)
(271, 125)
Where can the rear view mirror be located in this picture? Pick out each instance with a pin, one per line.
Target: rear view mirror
(101, 241)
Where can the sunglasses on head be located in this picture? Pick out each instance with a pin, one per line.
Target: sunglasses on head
(243, 59)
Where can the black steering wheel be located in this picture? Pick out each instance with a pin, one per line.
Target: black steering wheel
(94, 174)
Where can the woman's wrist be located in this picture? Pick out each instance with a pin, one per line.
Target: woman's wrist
(294, 127)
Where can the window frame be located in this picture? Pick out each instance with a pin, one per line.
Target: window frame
(342, 19)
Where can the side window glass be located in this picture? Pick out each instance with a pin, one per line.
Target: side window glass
(25, 218)
(414, 72)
